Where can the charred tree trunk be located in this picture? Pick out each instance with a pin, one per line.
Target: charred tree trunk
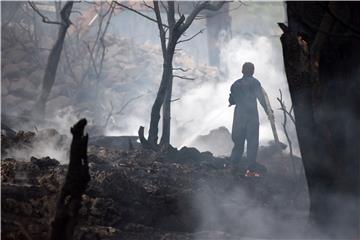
(160, 98)
(76, 182)
(165, 138)
(321, 48)
(176, 29)
(53, 61)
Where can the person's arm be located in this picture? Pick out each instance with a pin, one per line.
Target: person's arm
(270, 112)
(231, 98)
(263, 99)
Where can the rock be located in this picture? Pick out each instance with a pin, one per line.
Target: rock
(8, 167)
(8, 137)
(24, 137)
(44, 162)
(218, 140)
(116, 142)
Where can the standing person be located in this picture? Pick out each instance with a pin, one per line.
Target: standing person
(243, 95)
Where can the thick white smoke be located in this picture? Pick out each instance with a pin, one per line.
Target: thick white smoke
(206, 105)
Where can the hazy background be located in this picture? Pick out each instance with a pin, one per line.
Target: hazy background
(127, 87)
(132, 73)
(203, 107)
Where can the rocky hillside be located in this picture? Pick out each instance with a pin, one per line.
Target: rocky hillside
(130, 77)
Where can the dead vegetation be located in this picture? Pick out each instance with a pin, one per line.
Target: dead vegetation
(144, 194)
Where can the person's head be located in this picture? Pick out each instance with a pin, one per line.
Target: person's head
(248, 69)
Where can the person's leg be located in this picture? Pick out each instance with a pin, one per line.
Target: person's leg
(252, 138)
(238, 136)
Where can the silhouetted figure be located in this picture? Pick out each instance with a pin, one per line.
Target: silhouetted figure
(244, 93)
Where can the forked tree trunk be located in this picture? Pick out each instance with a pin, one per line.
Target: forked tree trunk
(175, 30)
(160, 97)
(53, 61)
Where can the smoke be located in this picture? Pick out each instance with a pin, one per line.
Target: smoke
(205, 106)
(40, 149)
(239, 212)
(46, 143)
(132, 68)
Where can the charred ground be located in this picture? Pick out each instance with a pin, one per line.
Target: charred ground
(144, 194)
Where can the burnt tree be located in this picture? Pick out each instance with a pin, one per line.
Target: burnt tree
(75, 184)
(321, 48)
(176, 30)
(54, 56)
(170, 35)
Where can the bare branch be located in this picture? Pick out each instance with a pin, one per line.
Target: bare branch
(183, 77)
(188, 39)
(92, 58)
(179, 22)
(291, 109)
(102, 41)
(201, 17)
(161, 28)
(284, 125)
(199, 7)
(174, 100)
(137, 12)
(283, 108)
(90, 2)
(164, 6)
(178, 10)
(181, 69)
(147, 5)
(129, 101)
(99, 44)
(45, 19)
(109, 115)
(291, 116)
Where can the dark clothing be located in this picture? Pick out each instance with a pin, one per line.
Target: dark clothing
(244, 93)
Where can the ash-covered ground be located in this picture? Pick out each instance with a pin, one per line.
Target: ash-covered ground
(142, 194)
